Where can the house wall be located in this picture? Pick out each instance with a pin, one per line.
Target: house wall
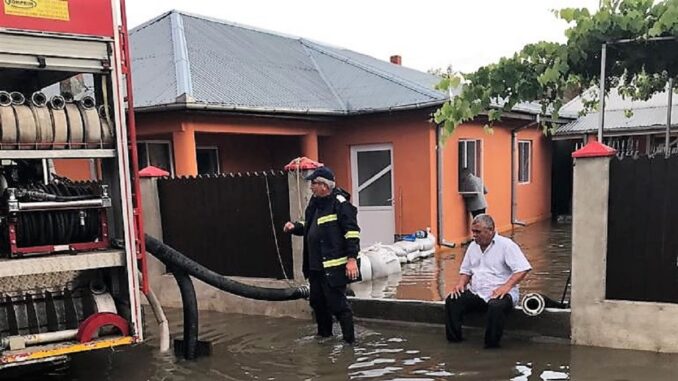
(412, 137)
(250, 143)
(533, 198)
(74, 169)
(241, 153)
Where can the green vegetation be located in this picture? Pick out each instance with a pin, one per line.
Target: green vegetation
(547, 72)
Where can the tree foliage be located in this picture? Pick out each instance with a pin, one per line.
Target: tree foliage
(638, 64)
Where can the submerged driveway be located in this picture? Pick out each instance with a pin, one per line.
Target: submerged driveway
(547, 245)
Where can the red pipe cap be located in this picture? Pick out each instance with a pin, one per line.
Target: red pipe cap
(152, 171)
(594, 149)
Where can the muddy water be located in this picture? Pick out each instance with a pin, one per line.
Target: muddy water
(260, 348)
(546, 245)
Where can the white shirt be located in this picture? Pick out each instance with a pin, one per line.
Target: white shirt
(491, 269)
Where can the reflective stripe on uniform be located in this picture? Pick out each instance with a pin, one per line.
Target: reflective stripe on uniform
(327, 218)
(335, 262)
(352, 234)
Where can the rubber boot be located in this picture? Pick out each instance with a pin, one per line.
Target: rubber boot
(346, 323)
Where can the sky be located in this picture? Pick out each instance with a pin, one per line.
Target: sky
(427, 34)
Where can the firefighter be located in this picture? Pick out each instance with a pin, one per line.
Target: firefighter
(331, 244)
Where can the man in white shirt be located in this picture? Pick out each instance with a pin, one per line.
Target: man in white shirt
(492, 268)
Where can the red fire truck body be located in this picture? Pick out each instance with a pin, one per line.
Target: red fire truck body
(72, 259)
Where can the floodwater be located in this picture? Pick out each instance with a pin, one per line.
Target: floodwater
(261, 348)
(547, 245)
(264, 348)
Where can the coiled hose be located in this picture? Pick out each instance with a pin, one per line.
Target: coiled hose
(174, 259)
(57, 227)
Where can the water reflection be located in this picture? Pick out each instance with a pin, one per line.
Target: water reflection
(260, 348)
(547, 245)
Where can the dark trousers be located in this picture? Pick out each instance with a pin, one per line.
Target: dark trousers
(327, 301)
(474, 213)
(497, 310)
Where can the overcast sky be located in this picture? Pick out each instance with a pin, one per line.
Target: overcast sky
(427, 34)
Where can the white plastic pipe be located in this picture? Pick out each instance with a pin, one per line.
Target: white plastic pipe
(40, 338)
(162, 320)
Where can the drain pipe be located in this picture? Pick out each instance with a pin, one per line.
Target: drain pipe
(514, 178)
(439, 174)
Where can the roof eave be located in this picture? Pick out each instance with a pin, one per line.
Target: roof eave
(637, 130)
(286, 111)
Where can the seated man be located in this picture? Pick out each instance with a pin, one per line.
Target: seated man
(493, 266)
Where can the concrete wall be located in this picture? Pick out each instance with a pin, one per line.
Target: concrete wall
(210, 298)
(596, 321)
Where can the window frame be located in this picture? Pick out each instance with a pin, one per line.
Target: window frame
(521, 179)
(211, 148)
(478, 169)
(159, 141)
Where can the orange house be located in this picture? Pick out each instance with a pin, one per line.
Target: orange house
(212, 96)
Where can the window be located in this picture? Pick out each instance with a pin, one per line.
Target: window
(524, 161)
(208, 160)
(156, 153)
(374, 168)
(469, 157)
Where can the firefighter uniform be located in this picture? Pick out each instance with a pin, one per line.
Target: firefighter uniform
(331, 237)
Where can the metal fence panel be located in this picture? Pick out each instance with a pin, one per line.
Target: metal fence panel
(642, 241)
(224, 222)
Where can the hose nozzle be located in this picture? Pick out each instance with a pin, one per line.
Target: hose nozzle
(38, 99)
(57, 102)
(17, 98)
(5, 98)
(87, 102)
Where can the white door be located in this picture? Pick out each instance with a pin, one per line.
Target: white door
(372, 179)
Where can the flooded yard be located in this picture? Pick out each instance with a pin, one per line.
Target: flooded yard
(260, 348)
(547, 245)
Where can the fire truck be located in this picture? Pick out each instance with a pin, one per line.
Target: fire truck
(72, 257)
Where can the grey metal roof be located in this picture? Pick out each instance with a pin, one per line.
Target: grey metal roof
(646, 115)
(180, 59)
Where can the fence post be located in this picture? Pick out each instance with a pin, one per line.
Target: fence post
(589, 239)
(150, 202)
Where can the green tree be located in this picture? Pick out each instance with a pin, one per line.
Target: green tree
(545, 71)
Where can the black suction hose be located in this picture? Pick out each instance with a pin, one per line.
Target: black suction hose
(175, 259)
(190, 304)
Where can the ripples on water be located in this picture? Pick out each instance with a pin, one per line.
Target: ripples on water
(260, 348)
